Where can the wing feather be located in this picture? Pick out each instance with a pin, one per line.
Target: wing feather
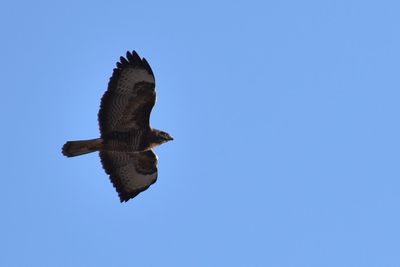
(130, 173)
(130, 96)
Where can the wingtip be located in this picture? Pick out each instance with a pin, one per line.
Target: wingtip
(123, 199)
(135, 54)
(129, 56)
(123, 61)
(132, 59)
(146, 65)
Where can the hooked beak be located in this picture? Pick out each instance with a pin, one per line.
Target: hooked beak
(170, 138)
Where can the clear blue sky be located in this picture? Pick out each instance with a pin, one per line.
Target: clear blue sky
(285, 116)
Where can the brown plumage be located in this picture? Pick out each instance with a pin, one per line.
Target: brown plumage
(126, 139)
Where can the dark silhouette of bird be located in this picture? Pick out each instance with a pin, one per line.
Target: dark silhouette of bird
(126, 140)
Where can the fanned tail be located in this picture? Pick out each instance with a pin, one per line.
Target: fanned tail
(77, 148)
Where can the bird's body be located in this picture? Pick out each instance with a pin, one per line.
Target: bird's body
(126, 140)
(133, 141)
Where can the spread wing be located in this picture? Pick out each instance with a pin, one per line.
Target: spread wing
(130, 173)
(130, 96)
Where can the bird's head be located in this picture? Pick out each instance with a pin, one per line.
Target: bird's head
(159, 137)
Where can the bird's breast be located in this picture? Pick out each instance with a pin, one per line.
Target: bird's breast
(132, 141)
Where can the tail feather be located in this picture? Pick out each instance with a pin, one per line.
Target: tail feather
(76, 148)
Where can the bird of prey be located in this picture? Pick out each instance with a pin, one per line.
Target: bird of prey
(126, 138)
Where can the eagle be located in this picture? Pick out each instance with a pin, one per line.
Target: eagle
(126, 139)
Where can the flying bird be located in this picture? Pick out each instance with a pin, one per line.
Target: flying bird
(126, 139)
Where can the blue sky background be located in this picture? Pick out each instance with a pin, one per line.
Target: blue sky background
(286, 123)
